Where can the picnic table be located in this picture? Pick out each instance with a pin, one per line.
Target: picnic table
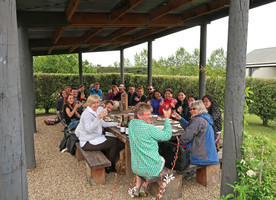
(115, 116)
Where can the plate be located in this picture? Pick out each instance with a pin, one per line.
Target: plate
(174, 122)
(174, 130)
(159, 118)
(108, 119)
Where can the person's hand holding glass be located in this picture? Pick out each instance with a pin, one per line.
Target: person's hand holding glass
(167, 113)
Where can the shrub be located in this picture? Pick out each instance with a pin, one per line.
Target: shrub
(256, 171)
(48, 86)
(263, 101)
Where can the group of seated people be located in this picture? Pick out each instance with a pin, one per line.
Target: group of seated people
(200, 118)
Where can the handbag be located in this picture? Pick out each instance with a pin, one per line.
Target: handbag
(168, 151)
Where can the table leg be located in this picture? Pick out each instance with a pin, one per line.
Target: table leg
(129, 172)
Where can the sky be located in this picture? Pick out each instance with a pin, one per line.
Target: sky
(261, 34)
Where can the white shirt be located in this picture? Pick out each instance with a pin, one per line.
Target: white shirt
(90, 128)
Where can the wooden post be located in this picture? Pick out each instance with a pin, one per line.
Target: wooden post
(122, 66)
(27, 88)
(234, 92)
(149, 63)
(202, 60)
(80, 69)
(13, 179)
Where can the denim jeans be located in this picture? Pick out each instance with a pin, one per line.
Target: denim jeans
(73, 124)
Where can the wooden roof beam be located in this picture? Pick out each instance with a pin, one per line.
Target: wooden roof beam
(168, 8)
(71, 9)
(58, 34)
(91, 33)
(93, 47)
(50, 49)
(147, 32)
(205, 9)
(73, 48)
(113, 46)
(120, 33)
(123, 9)
(128, 20)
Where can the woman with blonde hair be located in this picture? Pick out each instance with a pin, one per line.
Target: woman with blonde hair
(199, 135)
(89, 131)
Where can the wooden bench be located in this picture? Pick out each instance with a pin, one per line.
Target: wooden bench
(95, 164)
(208, 176)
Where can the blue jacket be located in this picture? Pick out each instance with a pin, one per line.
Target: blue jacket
(199, 138)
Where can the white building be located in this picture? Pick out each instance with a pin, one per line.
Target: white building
(261, 63)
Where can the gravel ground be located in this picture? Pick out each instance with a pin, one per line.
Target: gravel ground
(59, 176)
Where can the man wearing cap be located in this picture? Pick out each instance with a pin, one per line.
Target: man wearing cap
(122, 88)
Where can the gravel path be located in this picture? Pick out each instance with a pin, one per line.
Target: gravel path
(59, 176)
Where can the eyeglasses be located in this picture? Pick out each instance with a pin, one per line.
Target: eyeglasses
(149, 88)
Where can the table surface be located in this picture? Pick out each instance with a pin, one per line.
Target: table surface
(124, 138)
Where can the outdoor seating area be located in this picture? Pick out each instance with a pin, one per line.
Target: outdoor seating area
(60, 176)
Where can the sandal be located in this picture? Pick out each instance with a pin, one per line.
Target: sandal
(143, 192)
(136, 192)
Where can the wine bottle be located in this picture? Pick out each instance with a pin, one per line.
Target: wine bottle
(123, 125)
(127, 125)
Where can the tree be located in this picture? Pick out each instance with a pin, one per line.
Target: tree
(182, 57)
(65, 63)
(217, 59)
(127, 63)
(141, 59)
(194, 60)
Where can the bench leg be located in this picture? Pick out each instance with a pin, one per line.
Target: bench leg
(171, 191)
(78, 155)
(95, 176)
(208, 176)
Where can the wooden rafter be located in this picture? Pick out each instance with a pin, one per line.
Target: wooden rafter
(94, 41)
(123, 9)
(147, 32)
(73, 48)
(50, 49)
(58, 34)
(205, 9)
(91, 33)
(120, 33)
(93, 47)
(128, 20)
(71, 9)
(168, 8)
(113, 46)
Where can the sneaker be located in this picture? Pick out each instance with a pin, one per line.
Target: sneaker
(136, 192)
(142, 191)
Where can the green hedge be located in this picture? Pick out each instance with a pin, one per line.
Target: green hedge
(48, 86)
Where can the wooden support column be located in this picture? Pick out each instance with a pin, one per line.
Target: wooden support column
(234, 92)
(122, 66)
(13, 179)
(202, 60)
(80, 69)
(149, 63)
(28, 100)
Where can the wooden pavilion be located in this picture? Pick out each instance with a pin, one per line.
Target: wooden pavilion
(36, 27)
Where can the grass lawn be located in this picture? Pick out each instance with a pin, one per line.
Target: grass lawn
(42, 111)
(255, 127)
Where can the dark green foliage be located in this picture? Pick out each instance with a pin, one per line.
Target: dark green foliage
(48, 86)
(264, 98)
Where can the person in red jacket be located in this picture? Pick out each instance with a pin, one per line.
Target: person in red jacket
(168, 102)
